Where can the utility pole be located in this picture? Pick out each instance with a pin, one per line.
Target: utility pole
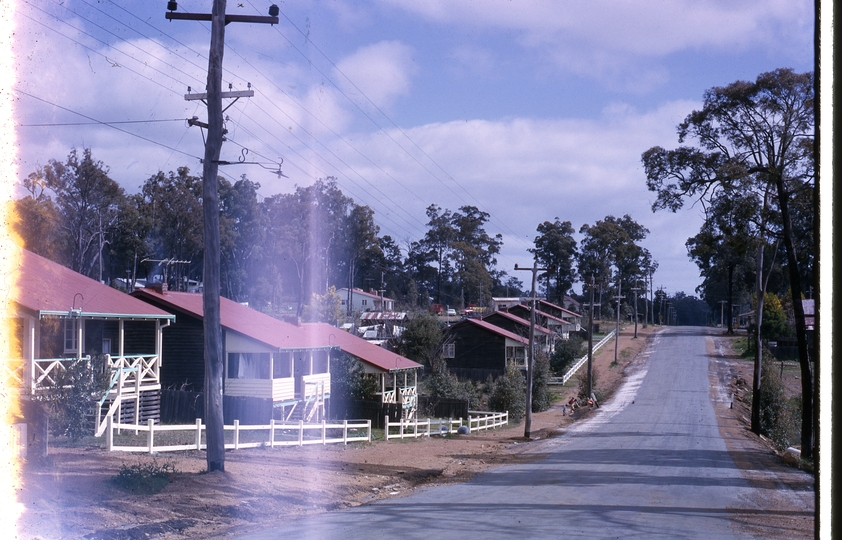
(210, 207)
(617, 331)
(531, 360)
(590, 341)
(635, 289)
(722, 312)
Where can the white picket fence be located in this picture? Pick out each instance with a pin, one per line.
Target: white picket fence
(298, 434)
(580, 362)
(477, 421)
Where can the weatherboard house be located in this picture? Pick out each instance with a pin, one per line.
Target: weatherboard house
(60, 318)
(475, 349)
(285, 364)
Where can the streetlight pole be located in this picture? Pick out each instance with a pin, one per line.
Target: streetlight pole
(531, 360)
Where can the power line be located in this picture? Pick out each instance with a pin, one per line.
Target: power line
(101, 123)
(94, 120)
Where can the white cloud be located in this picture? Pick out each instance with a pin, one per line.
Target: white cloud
(382, 71)
(524, 171)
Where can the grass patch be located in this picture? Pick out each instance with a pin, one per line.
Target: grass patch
(144, 478)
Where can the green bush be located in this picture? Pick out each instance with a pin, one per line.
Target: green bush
(508, 393)
(566, 352)
(541, 398)
(145, 478)
(582, 386)
(72, 399)
(441, 384)
(349, 380)
(780, 418)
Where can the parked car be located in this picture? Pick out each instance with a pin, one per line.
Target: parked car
(451, 312)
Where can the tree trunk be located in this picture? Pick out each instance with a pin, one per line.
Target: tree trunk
(210, 298)
(800, 325)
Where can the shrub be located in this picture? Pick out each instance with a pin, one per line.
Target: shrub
(582, 385)
(441, 384)
(146, 478)
(71, 400)
(348, 379)
(541, 398)
(780, 418)
(566, 352)
(508, 393)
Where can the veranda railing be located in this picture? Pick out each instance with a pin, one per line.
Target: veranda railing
(243, 436)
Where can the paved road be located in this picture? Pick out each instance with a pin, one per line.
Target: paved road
(650, 464)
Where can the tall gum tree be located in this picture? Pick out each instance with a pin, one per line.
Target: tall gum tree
(758, 135)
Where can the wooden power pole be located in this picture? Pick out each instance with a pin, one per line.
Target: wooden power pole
(215, 437)
(531, 360)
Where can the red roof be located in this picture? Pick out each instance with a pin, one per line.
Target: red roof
(541, 313)
(519, 320)
(559, 308)
(362, 349)
(49, 288)
(280, 334)
(493, 328)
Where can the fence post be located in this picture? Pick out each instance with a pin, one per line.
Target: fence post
(368, 422)
(236, 434)
(301, 433)
(386, 428)
(324, 434)
(272, 433)
(109, 437)
(345, 432)
(198, 434)
(400, 430)
(150, 437)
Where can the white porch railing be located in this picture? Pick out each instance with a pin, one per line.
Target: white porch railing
(277, 434)
(477, 421)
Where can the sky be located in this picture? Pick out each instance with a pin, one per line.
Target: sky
(528, 110)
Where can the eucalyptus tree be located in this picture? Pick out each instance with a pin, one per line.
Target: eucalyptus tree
(753, 136)
(723, 247)
(87, 200)
(37, 220)
(610, 250)
(555, 249)
(172, 202)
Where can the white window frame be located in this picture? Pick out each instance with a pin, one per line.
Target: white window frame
(449, 350)
(71, 336)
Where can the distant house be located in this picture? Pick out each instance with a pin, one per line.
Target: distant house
(560, 312)
(265, 358)
(544, 338)
(557, 325)
(59, 317)
(360, 300)
(475, 349)
(504, 303)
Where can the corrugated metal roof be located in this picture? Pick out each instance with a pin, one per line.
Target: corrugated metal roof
(48, 288)
(519, 320)
(280, 334)
(383, 316)
(362, 349)
(492, 328)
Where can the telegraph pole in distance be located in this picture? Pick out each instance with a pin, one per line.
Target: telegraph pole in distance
(210, 207)
(617, 331)
(531, 360)
(635, 289)
(590, 341)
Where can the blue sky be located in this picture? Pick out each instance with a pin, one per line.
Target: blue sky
(527, 110)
